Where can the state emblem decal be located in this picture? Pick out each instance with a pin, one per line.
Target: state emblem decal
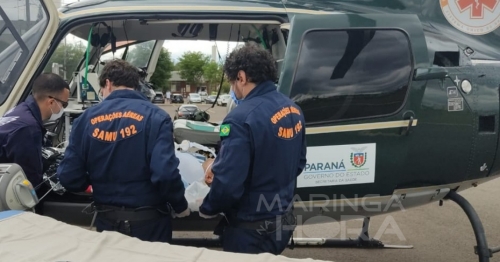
(358, 157)
(474, 17)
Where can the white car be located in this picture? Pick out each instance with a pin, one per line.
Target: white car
(223, 100)
(194, 98)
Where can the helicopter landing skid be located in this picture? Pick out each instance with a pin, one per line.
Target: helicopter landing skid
(363, 241)
(481, 249)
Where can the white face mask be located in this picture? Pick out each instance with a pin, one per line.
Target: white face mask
(54, 117)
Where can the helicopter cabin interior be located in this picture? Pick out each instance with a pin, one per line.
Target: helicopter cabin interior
(118, 39)
(105, 35)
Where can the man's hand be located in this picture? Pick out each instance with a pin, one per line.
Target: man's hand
(184, 213)
(207, 166)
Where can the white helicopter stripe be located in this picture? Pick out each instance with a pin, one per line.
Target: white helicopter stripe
(359, 127)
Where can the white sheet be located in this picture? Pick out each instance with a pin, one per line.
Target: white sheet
(29, 237)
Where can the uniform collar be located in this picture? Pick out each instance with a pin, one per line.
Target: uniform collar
(35, 110)
(262, 88)
(125, 93)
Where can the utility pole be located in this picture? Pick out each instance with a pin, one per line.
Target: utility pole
(28, 15)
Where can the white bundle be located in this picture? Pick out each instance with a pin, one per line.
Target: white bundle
(192, 173)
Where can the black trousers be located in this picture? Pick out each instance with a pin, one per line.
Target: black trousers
(155, 230)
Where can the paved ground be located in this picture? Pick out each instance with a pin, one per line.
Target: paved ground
(437, 233)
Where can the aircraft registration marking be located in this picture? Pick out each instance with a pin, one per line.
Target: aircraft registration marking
(338, 165)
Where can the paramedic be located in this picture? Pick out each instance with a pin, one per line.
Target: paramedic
(22, 131)
(124, 148)
(263, 150)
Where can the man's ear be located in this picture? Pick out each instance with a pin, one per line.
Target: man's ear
(109, 86)
(241, 77)
(50, 101)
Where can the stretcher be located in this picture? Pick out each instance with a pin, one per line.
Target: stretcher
(195, 131)
(25, 236)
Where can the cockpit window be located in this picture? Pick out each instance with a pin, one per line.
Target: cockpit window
(139, 54)
(351, 74)
(21, 27)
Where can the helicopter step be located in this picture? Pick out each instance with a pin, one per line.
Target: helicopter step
(363, 241)
(482, 249)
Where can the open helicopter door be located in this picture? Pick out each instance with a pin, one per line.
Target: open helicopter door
(26, 34)
(153, 60)
(352, 76)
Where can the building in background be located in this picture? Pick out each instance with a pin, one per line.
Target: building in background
(214, 53)
(180, 86)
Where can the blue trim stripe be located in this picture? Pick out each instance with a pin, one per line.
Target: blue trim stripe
(9, 213)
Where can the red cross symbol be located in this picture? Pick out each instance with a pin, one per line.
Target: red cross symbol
(477, 6)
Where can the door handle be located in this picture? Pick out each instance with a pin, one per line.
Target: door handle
(410, 116)
(410, 124)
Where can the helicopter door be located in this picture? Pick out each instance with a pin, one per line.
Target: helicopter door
(26, 30)
(352, 77)
(153, 60)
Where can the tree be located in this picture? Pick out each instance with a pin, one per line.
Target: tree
(163, 71)
(225, 87)
(74, 54)
(212, 72)
(191, 67)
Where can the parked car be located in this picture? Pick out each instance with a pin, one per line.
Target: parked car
(194, 98)
(186, 112)
(210, 99)
(223, 100)
(159, 98)
(176, 98)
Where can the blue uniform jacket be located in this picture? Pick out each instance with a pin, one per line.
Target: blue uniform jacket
(21, 138)
(124, 148)
(263, 150)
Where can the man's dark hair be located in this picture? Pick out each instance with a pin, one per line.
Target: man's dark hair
(48, 84)
(120, 73)
(256, 62)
